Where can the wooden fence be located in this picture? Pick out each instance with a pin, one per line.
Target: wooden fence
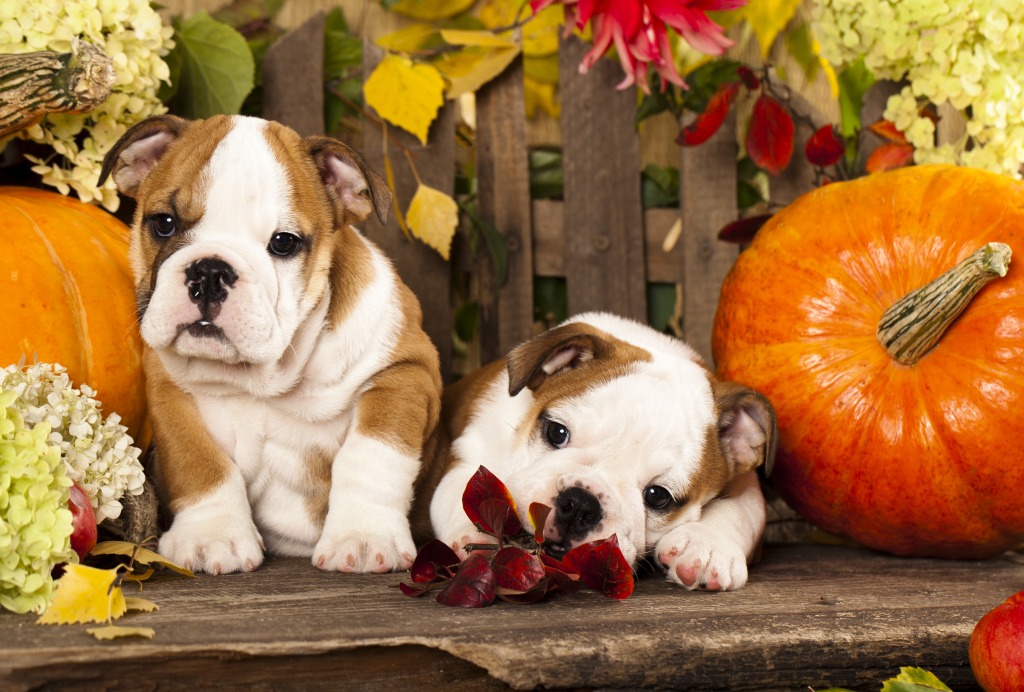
(599, 238)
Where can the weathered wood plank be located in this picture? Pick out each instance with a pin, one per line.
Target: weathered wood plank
(603, 207)
(503, 181)
(811, 615)
(422, 269)
(707, 179)
(293, 87)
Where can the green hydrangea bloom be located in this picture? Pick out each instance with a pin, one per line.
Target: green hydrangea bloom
(35, 522)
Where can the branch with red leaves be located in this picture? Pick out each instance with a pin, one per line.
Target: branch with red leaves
(514, 568)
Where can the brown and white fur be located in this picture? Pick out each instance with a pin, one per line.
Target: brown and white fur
(622, 430)
(290, 383)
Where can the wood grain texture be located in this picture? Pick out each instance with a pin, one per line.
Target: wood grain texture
(707, 179)
(293, 86)
(420, 267)
(811, 615)
(503, 181)
(604, 252)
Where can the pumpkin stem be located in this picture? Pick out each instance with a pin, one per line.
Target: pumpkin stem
(916, 322)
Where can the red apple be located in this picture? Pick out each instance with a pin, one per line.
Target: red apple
(997, 647)
(83, 527)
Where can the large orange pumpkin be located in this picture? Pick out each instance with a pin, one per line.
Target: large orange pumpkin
(918, 458)
(67, 297)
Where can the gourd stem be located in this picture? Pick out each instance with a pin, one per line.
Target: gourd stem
(916, 322)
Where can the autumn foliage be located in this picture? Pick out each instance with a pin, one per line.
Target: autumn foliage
(514, 568)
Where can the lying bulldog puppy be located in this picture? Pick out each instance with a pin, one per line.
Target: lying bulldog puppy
(289, 379)
(621, 430)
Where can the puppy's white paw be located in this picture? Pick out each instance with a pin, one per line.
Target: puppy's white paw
(697, 559)
(368, 548)
(216, 545)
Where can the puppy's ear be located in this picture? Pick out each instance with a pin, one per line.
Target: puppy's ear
(138, 151)
(562, 348)
(747, 429)
(355, 188)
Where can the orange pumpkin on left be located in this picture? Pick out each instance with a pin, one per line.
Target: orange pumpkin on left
(67, 296)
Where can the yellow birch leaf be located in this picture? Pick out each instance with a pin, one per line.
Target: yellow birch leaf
(431, 10)
(117, 631)
(470, 68)
(143, 556)
(407, 39)
(433, 217)
(389, 172)
(543, 69)
(459, 37)
(767, 18)
(405, 94)
(539, 34)
(133, 603)
(85, 594)
(540, 95)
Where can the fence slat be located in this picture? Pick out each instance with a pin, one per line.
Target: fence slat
(604, 255)
(293, 88)
(422, 269)
(708, 198)
(503, 181)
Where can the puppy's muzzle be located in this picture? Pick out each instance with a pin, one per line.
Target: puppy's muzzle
(207, 281)
(577, 514)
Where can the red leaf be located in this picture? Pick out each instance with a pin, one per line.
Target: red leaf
(538, 592)
(770, 135)
(602, 567)
(435, 561)
(886, 130)
(414, 591)
(516, 569)
(483, 486)
(498, 518)
(743, 230)
(559, 580)
(889, 156)
(473, 585)
(750, 79)
(539, 516)
(708, 122)
(825, 147)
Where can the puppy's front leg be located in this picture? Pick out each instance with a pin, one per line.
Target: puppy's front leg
(713, 552)
(212, 530)
(447, 516)
(372, 476)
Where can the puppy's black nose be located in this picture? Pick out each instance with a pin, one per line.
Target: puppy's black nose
(208, 281)
(577, 512)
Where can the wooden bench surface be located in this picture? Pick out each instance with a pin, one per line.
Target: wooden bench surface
(810, 616)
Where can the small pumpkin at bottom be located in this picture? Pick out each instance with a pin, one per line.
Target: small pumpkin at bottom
(921, 457)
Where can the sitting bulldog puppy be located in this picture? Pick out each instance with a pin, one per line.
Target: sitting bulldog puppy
(290, 382)
(621, 430)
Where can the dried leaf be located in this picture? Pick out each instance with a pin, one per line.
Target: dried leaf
(484, 485)
(470, 68)
(85, 594)
(770, 135)
(433, 217)
(708, 122)
(472, 587)
(825, 147)
(539, 516)
(602, 567)
(889, 156)
(117, 631)
(405, 93)
(887, 131)
(141, 604)
(143, 556)
(516, 570)
(743, 230)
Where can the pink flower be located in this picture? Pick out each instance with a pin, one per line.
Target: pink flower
(637, 28)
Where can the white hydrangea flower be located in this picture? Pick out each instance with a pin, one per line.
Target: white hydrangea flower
(133, 35)
(98, 452)
(969, 54)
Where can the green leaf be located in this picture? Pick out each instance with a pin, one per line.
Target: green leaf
(546, 175)
(467, 319)
(496, 247)
(800, 44)
(168, 90)
(550, 299)
(661, 303)
(747, 195)
(854, 81)
(651, 104)
(914, 680)
(342, 53)
(249, 16)
(335, 21)
(660, 186)
(217, 68)
(705, 80)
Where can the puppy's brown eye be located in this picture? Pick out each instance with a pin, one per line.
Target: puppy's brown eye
(556, 434)
(284, 244)
(657, 497)
(163, 225)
